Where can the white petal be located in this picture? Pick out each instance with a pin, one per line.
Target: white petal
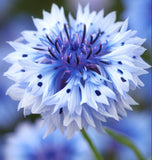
(88, 117)
(108, 20)
(124, 26)
(15, 92)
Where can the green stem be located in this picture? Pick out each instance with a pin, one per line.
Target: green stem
(125, 141)
(96, 153)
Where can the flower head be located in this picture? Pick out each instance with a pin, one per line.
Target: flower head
(76, 73)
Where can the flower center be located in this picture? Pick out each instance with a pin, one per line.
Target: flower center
(74, 49)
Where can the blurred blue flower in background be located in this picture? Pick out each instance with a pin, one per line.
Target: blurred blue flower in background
(26, 143)
(139, 13)
(137, 127)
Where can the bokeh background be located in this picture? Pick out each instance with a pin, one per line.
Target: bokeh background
(21, 138)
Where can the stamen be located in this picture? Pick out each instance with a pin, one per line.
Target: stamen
(89, 52)
(66, 31)
(56, 45)
(68, 59)
(61, 36)
(93, 68)
(39, 49)
(84, 33)
(91, 39)
(96, 37)
(100, 47)
(77, 58)
(47, 36)
(105, 62)
(52, 53)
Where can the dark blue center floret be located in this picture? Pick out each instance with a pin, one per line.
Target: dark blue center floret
(74, 50)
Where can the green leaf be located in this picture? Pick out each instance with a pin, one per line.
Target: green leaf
(125, 141)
